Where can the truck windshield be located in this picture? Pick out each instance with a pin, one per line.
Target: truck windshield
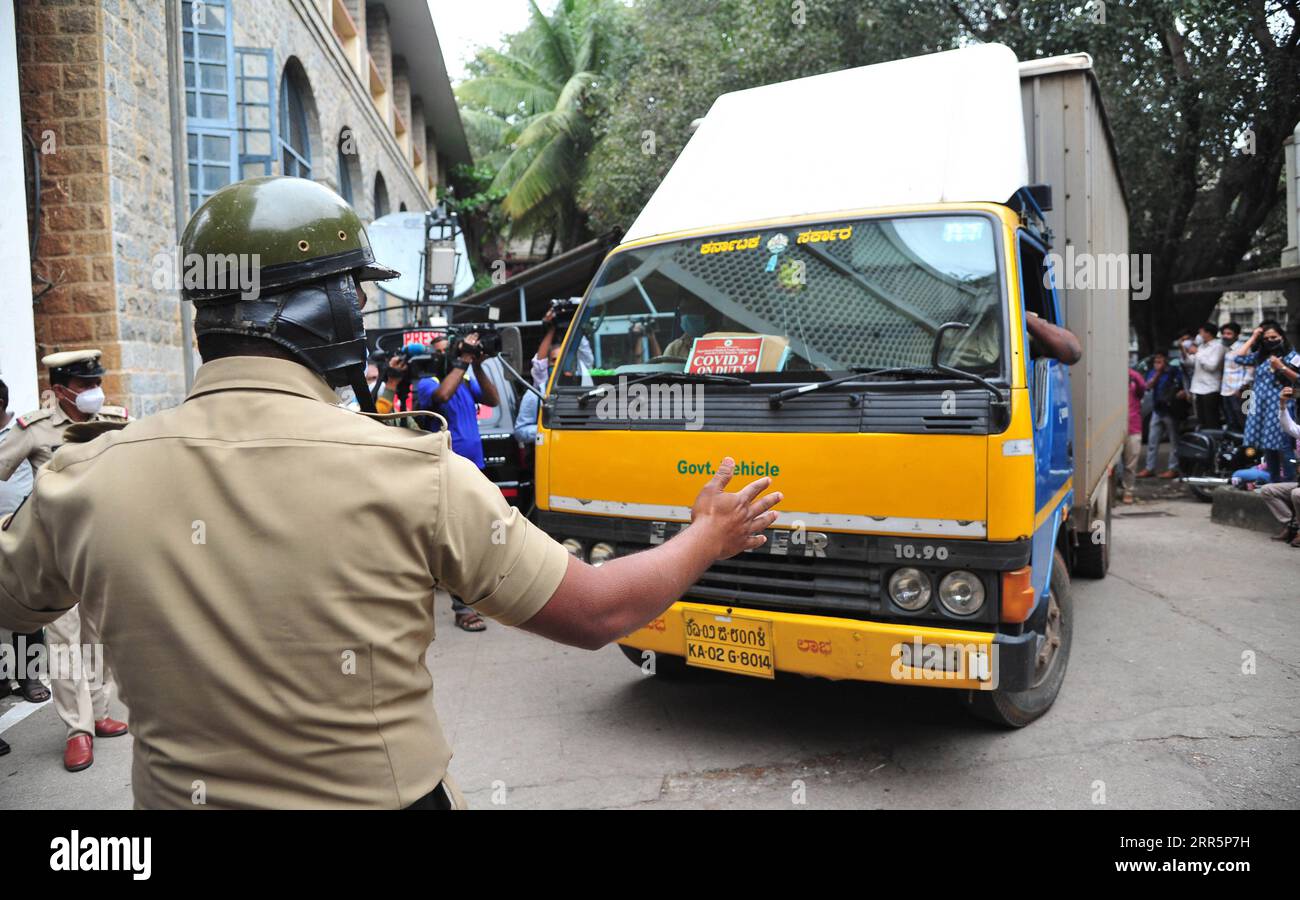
(796, 303)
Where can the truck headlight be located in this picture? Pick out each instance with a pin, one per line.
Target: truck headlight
(961, 593)
(573, 545)
(909, 589)
(601, 553)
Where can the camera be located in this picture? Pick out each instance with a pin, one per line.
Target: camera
(489, 340)
(564, 310)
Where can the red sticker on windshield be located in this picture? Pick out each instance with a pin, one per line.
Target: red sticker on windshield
(719, 356)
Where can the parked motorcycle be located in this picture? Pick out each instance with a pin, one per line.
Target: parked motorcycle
(1209, 456)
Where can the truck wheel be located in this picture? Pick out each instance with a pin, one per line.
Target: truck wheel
(666, 666)
(1093, 560)
(1016, 709)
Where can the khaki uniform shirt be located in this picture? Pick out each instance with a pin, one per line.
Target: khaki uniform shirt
(263, 563)
(36, 435)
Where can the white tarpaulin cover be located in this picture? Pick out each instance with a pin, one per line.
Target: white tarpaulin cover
(939, 128)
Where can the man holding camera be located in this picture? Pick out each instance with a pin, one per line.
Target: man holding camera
(456, 397)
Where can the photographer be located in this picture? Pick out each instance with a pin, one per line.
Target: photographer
(456, 397)
(560, 311)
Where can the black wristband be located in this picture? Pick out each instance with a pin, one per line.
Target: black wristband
(460, 364)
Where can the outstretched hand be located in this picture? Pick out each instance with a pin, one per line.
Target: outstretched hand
(734, 522)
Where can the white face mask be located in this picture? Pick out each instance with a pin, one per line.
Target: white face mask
(91, 401)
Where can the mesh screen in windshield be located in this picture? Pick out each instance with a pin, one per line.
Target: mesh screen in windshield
(828, 297)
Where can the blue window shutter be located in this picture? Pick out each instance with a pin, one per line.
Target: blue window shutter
(255, 104)
(207, 38)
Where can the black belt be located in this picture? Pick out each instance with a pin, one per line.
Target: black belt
(438, 798)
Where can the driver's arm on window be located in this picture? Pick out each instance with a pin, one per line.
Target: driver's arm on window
(1052, 340)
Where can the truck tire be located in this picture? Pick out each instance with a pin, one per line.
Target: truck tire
(666, 666)
(1017, 709)
(1093, 560)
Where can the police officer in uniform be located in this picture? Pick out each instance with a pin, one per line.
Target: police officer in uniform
(13, 492)
(76, 381)
(263, 561)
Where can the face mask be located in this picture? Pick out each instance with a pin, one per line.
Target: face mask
(91, 401)
(1228, 342)
(1270, 346)
(1199, 340)
(695, 326)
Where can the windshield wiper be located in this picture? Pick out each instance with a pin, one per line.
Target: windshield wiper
(693, 377)
(857, 373)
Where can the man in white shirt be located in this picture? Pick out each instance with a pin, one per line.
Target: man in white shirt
(1204, 357)
(1236, 376)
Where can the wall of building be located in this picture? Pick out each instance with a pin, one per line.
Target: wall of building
(289, 32)
(95, 85)
(141, 186)
(61, 65)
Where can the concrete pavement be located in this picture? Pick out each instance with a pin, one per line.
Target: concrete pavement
(1155, 711)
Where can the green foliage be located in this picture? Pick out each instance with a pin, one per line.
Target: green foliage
(1182, 82)
(693, 50)
(529, 111)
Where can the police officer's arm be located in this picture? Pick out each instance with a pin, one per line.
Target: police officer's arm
(14, 450)
(33, 592)
(1055, 341)
(501, 564)
(595, 605)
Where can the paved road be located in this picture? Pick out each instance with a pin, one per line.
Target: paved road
(1155, 711)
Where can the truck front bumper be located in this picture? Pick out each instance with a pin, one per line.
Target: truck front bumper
(852, 649)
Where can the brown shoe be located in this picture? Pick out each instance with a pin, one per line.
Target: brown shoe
(79, 753)
(1168, 473)
(1296, 542)
(1145, 473)
(1128, 497)
(1287, 533)
(107, 727)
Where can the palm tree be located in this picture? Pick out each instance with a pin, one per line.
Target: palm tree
(527, 111)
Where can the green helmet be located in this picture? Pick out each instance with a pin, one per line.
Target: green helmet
(287, 230)
(279, 259)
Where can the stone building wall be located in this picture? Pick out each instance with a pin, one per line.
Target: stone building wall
(95, 90)
(61, 76)
(336, 106)
(142, 195)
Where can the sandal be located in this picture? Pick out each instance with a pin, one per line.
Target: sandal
(33, 691)
(470, 621)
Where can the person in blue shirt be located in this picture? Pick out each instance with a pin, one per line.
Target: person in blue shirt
(456, 397)
(530, 406)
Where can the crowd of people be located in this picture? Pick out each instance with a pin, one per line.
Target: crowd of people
(1224, 380)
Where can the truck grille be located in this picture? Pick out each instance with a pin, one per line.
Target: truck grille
(794, 584)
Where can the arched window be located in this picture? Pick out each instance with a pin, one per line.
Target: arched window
(349, 163)
(381, 196)
(401, 207)
(295, 130)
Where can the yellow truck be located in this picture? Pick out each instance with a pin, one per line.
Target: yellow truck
(831, 286)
